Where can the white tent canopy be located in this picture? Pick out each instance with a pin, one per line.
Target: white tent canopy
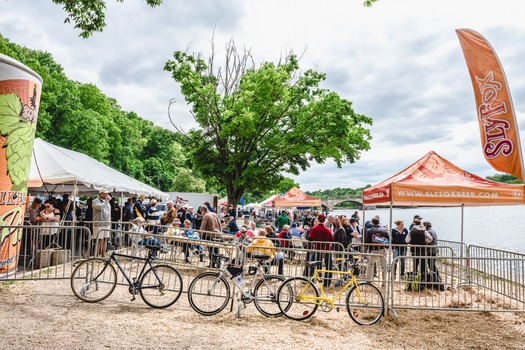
(59, 170)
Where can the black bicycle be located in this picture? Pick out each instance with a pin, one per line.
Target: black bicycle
(95, 279)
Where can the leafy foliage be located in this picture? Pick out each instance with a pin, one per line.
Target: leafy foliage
(254, 124)
(19, 133)
(505, 178)
(80, 117)
(88, 15)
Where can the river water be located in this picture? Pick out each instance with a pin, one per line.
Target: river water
(499, 227)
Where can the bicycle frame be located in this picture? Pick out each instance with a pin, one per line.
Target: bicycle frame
(147, 263)
(316, 278)
(223, 271)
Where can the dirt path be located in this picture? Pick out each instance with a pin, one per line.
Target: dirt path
(46, 315)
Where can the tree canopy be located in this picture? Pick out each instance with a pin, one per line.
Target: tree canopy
(255, 124)
(80, 117)
(88, 15)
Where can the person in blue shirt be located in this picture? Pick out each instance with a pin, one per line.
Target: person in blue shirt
(294, 230)
(233, 228)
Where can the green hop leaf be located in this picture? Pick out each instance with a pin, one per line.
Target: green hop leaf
(10, 108)
(19, 149)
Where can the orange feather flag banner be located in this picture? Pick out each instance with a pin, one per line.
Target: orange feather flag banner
(500, 140)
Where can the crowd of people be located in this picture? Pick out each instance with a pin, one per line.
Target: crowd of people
(269, 229)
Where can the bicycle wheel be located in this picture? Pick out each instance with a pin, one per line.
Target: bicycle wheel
(93, 280)
(208, 293)
(265, 296)
(161, 286)
(296, 298)
(364, 304)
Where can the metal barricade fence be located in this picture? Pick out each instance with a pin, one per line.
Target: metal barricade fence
(47, 251)
(485, 280)
(458, 248)
(189, 256)
(456, 285)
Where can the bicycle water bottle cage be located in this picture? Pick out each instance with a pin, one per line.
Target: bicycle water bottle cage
(252, 270)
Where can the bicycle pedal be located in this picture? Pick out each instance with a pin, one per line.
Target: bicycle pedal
(338, 309)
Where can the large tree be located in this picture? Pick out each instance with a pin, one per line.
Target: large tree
(255, 124)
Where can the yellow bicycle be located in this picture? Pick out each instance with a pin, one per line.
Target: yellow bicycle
(299, 297)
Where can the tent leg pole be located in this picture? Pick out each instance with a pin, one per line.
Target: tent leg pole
(462, 226)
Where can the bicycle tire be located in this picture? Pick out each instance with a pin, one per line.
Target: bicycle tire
(265, 296)
(162, 293)
(93, 280)
(365, 304)
(287, 298)
(209, 293)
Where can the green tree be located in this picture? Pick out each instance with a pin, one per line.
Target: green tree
(88, 15)
(185, 181)
(254, 124)
(80, 117)
(505, 178)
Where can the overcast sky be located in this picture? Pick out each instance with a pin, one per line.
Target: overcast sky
(399, 62)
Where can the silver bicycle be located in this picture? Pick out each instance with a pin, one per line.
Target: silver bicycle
(210, 292)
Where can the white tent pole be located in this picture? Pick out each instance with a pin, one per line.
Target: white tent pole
(462, 225)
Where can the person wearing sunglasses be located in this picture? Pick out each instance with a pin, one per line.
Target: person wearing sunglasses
(48, 217)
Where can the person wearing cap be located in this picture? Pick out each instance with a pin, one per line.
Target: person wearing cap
(242, 237)
(416, 221)
(379, 250)
(418, 237)
(295, 232)
(139, 235)
(101, 221)
(173, 229)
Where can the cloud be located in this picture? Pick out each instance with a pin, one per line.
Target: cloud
(397, 62)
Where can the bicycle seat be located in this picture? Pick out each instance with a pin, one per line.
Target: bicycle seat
(153, 248)
(220, 256)
(314, 263)
(261, 256)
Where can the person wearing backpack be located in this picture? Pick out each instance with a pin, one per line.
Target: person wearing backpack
(432, 251)
(418, 238)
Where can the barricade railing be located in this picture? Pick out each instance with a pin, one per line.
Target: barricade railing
(495, 278)
(46, 251)
(458, 248)
(455, 285)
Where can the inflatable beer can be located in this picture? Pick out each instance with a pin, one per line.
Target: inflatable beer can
(20, 90)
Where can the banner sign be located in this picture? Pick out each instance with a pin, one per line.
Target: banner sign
(497, 121)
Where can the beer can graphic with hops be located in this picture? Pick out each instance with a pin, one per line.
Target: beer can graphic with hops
(20, 90)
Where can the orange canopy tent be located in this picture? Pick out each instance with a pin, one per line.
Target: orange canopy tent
(434, 181)
(295, 198)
